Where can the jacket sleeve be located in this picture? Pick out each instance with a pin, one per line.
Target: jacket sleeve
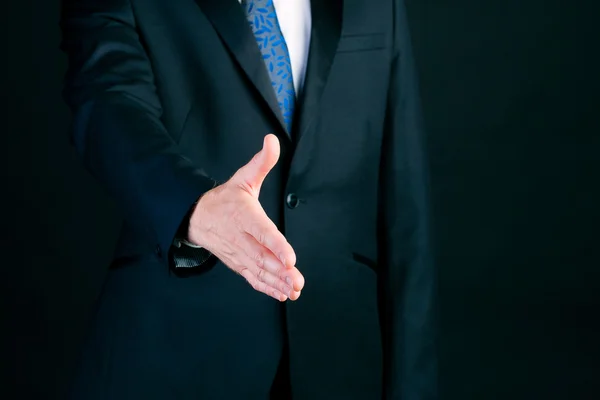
(117, 128)
(408, 280)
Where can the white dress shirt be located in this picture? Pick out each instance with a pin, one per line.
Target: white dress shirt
(295, 22)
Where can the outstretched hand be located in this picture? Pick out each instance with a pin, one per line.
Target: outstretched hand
(229, 222)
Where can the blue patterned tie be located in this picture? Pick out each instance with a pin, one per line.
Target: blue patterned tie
(263, 21)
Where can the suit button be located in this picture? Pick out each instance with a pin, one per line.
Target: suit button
(292, 200)
(158, 251)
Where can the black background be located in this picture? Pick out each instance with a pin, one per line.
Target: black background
(511, 105)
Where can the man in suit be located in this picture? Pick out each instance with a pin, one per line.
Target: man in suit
(172, 101)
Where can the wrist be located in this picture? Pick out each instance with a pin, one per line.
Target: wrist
(193, 233)
(198, 217)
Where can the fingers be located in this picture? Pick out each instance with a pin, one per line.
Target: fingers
(269, 283)
(262, 287)
(295, 295)
(297, 280)
(261, 255)
(252, 175)
(270, 269)
(265, 232)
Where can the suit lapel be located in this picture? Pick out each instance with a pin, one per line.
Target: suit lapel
(228, 19)
(325, 36)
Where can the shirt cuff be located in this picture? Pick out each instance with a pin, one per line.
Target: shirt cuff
(188, 255)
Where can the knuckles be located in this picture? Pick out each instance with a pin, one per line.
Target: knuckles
(259, 259)
(261, 275)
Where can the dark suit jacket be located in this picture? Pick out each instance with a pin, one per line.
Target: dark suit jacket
(171, 97)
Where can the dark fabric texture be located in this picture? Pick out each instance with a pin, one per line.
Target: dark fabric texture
(171, 97)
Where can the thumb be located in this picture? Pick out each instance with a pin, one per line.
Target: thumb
(252, 175)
